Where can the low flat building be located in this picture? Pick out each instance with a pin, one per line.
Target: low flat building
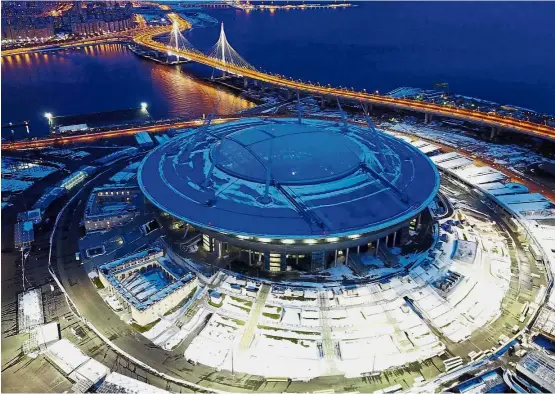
(538, 369)
(77, 177)
(112, 157)
(24, 234)
(50, 195)
(110, 207)
(34, 216)
(146, 286)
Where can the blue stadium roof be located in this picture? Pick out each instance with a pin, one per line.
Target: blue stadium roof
(280, 179)
(291, 152)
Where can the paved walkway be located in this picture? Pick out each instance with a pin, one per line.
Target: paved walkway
(256, 311)
(327, 341)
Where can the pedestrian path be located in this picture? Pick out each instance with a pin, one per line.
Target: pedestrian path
(256, 311)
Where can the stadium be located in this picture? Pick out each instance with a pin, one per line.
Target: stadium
(273, 191)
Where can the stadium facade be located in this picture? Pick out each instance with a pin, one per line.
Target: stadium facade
(273, 191)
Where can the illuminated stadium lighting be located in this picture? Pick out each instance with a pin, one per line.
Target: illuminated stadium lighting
(288, 241)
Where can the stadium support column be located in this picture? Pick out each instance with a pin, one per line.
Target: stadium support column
(335, 259)
(250, 257)
(283, 265)
(394, 238)
(493, 132)
(245, 83)
(418, 220)
(207, 243)
(220, 249)
(377, 247)
(347, 257)
(358, 249)
(427, 118)
(367, 107)
(387, 241)
(322, 101)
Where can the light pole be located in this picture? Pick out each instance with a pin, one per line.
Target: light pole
(48, 116)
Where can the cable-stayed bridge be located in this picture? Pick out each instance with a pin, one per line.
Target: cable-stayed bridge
(223, 57)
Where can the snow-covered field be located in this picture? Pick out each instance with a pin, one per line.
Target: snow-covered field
(22, 169)
(511, 155)
(15, 185)
(18, 175)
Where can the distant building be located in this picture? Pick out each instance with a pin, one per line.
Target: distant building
(93, 26)
(21, 33)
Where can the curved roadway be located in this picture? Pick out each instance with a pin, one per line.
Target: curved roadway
(147, 39)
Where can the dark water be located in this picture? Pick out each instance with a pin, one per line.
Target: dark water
(102, 78)
(501, 51)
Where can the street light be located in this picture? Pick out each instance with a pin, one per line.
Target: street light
(48, 116)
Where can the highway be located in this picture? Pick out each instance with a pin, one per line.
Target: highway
(83, 138)
(113, 37)
(145, 36)
(488, 119)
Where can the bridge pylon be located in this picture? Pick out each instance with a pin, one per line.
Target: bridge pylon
(225, 54)
(178, 42)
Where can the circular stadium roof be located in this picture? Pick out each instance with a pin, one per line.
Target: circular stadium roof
(285, 180)
(295, 155)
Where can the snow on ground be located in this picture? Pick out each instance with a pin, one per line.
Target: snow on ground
(213, 345)
(30, 312)
(25, 170)
(271, 355)
(114, 303)
(340, 272)
(167, 334)
(91, 371)
(71, 153)
(466, 251)
(14, 185)
(117, 383)
(513, 155)
(66, 355)
(384, 336)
